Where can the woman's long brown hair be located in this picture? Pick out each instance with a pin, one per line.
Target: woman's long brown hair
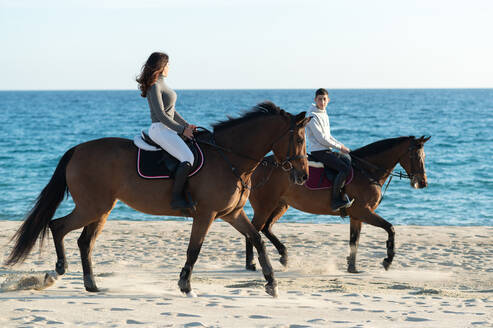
(151, 70)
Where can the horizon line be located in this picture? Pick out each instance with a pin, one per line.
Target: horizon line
(255, 89)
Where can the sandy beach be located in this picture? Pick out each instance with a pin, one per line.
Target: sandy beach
(441, 277)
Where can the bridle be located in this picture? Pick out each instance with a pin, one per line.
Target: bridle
(285, 164)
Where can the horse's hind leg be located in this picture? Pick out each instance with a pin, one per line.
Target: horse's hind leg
(86, 244)
(354, 233)
(376, 220)
(243, 225)
(81, 216)
(59, 228)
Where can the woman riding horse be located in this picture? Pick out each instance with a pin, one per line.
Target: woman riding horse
(100, 172)
(167, 124)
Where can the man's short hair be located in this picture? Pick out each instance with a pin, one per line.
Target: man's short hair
(321, 92)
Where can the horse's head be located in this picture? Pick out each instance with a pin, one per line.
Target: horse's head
(290, 149)
(414, 162)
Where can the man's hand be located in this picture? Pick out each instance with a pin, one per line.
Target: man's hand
(345, 149)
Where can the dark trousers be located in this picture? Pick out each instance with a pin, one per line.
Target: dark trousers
(337, 161)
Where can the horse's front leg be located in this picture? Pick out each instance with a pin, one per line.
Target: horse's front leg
(354, 233)
(267, 231)
(200, 226)
(376, 220)
(245, 227)
(265, 226)
(281, 249)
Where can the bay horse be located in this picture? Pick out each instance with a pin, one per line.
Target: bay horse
(100, 172)
(372, 164)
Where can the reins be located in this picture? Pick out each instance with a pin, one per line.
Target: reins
(391, 173)
(263, 161)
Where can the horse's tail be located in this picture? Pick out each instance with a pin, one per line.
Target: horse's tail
(38, 219)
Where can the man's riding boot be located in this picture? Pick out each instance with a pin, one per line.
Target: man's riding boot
(337, 201)
(178, 200)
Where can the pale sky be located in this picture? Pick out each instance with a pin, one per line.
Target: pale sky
(251, 44)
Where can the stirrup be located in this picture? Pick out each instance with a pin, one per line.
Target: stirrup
(344, 202)
(349, 202)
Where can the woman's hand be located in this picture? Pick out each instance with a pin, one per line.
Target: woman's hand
(188, 132)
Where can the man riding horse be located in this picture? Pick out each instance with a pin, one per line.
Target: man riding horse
(321, 143)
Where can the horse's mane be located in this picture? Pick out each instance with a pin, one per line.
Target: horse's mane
(266, 108)
(378, 146)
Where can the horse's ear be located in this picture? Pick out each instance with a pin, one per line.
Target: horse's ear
(299, 118)
(423, 139)
(304, 122)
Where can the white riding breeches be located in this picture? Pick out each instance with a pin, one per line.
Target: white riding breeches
(171, 142)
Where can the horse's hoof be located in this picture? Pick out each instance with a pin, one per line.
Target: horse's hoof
(251, 267)
(90, 285)
(352, 269)
(191, 294)
(284, 260)
(271, 289)
(386, 264)
(61, 267)
(185, 287)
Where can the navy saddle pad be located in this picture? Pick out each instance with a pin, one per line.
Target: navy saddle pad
(161, 165)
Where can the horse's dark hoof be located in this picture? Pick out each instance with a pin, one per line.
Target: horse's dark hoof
(386, 264)
(352, 269)
(284, 260)
(184, 285)
(251, 267)
(92, 289)
(61, 267)
(90, 285)
(271, 289)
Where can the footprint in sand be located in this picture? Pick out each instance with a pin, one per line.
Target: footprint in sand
(188, 315)
(121, 309)
(415, 319)
(194, 324)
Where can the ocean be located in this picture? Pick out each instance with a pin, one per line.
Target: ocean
(39, 126)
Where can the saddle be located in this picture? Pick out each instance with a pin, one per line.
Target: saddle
(321, 177)
(153, 162)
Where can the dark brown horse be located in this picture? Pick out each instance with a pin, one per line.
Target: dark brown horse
(100, 172)
(372, 166)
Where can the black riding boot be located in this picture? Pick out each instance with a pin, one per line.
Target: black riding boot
(178, 200)
(337, 201)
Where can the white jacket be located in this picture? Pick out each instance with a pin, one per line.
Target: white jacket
(318, 131)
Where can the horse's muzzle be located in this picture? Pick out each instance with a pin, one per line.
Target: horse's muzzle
(418, 182)
(298, 177)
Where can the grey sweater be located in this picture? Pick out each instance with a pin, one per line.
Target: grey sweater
(162, 101)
